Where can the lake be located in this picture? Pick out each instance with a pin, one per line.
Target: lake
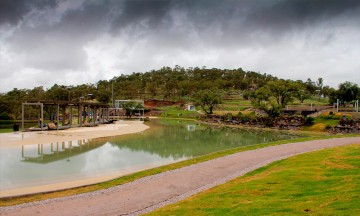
(167, 141)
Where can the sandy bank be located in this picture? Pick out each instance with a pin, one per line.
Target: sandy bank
(42, 137)
(10, 140)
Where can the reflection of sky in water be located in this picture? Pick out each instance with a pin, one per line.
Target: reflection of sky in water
(165, 142)
(103, 160)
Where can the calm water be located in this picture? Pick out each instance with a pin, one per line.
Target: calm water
(164, 143)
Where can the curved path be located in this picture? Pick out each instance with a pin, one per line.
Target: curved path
(152, 192)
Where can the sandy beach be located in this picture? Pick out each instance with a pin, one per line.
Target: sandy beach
(8, 140)
(42, 137)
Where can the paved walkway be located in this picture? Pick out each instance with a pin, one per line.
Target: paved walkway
(149, 193)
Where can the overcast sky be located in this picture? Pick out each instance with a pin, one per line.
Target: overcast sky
(70, 42)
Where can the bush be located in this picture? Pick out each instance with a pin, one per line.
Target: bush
(309, 121)
(268, 121)
(328, 127)
(5, 116)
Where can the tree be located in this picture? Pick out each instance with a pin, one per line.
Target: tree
(273, 97)
(283, 91)
(302, 94)
(320, 83)
(327, 91)
(207, 100)
(310, 86)
(57, 92)
(131, 107)
(347, 92)
(261, 96)
(103, 96)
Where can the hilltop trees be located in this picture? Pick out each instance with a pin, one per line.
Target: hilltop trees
(180, 83)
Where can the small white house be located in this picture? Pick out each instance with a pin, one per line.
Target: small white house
(191, 108)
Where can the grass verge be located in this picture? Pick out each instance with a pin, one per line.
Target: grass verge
(138, 175)
(325, 182)
(6, 130)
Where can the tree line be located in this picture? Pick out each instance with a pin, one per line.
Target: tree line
(179, 83)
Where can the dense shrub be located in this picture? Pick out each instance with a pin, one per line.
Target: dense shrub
(309, 121)
(5, 116)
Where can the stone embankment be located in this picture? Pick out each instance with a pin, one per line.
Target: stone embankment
(283, 122)
(347, 126)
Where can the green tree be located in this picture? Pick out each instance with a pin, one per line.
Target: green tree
(208, 100)
(310, 86)
(347, 92)
(103, 96)
(320, 83)
(274, 96)
(131, 108)
(283, 91)
(327, 91)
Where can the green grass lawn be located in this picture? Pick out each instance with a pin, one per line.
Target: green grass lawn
(6, 130)
(325, 182)
(176, 113)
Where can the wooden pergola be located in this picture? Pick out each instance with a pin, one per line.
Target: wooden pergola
(84, 110)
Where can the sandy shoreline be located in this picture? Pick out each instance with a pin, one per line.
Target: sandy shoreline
(42, 137)
(9, 140)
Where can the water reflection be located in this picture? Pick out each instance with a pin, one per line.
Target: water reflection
(183, 140)
(165, 142)
(47, 153)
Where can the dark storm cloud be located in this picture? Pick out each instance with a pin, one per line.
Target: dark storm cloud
(266, 14)
(87, 36)
(135, 11)
(12, 11)
(284, 15)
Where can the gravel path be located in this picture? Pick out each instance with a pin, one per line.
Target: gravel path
(149, 193)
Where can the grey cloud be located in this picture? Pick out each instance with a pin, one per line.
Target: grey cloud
(147, 34)
(284, 15)
(12, 11)
(135, 11)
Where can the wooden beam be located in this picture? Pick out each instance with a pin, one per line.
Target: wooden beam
(22, 117)
(42, 116)
(57, 117)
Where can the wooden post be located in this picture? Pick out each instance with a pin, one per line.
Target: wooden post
(80, 115)
(95, 115)
(42, 115)
(70, 120)
(22, 117)
(57, 117)
(88, 114)
(63, 115)
(107, 113)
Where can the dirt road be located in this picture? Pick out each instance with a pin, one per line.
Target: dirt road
(152, 192)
